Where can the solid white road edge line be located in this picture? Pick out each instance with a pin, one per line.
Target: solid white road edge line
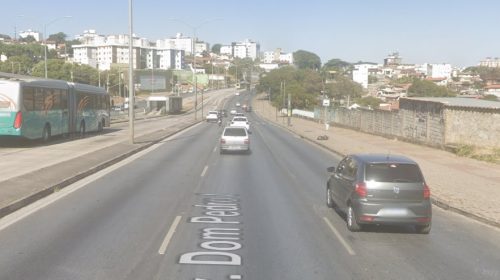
(168, 237)
(339, 237)
(44, 202)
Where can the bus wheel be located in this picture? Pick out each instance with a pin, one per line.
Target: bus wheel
(82, 129)
(46, 133)
(100, 126)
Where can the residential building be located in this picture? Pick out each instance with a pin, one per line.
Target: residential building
(493, 90)
(245, 49)
(490, 62)
(179, 42)
(201, 47)
(90, 37)
(102, 52)
(226, 50)
(393, 59)
(439, 70)
(277, 56)
(29, 32)
(360, 73)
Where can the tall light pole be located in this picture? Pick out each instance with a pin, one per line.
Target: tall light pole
(46, 37)
(131, 104)
(194, 81)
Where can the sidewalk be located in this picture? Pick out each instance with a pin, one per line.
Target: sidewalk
(463, 185)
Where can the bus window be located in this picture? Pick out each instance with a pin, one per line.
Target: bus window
(28, 99)
(39, 99)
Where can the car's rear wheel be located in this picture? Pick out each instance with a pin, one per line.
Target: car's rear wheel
(423, 229)
(352, 224)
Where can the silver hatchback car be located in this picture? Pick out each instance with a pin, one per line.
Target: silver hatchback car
(235, 139)
(380, 189)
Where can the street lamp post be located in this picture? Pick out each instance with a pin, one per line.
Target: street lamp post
(45, 39)
(193, 52)
(131, 76)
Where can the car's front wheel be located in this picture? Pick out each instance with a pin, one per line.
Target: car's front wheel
(352, 224)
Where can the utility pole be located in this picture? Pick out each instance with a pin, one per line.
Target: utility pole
(131, 77)
(289, 109)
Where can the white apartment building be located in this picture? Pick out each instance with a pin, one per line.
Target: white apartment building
(90, 37)
(278, 56)
(170, 59)
(29, 32)
(226, 50)
(114, 49)
(201, 47)
(439, 70)
(179, 42)
(244, 49)
(490, 62)
(360, 73)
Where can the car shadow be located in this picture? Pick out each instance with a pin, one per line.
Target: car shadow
(374, 228)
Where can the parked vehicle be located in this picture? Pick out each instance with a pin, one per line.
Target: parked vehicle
(234, 139)
(380, 189)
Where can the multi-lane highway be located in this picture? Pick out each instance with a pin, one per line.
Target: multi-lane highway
(180, 210)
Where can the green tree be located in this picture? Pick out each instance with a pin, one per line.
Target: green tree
(372, 79)
(216, 48)
(59, 38)
(306, 60)
(27, 39)
(369, 101)
(336, 63)
(304, 86)
(423, 88)
(342, 88)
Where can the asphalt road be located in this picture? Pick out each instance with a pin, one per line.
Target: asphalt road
(183, 211)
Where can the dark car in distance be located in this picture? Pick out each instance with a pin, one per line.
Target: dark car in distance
(380, 189)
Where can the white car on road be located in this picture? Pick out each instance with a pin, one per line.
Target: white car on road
(241, 121)
(212, 116)
(234, 139)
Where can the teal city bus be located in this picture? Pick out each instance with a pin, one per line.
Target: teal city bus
(36, 108)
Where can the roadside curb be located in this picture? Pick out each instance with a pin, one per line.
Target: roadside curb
(25, 201)
(436, 201)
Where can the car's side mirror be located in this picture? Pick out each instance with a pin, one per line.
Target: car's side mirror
(331, 169)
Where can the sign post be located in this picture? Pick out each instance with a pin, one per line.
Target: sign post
(326, 104)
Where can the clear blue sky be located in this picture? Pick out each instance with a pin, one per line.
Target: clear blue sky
(460, 32)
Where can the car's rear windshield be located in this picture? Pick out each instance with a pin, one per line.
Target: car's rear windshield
(393, 172)
(235, 132)
(239, 119)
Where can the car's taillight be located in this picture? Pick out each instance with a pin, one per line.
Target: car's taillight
(18, 121)
(223, 141)
(427, 192)
(360, 189)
